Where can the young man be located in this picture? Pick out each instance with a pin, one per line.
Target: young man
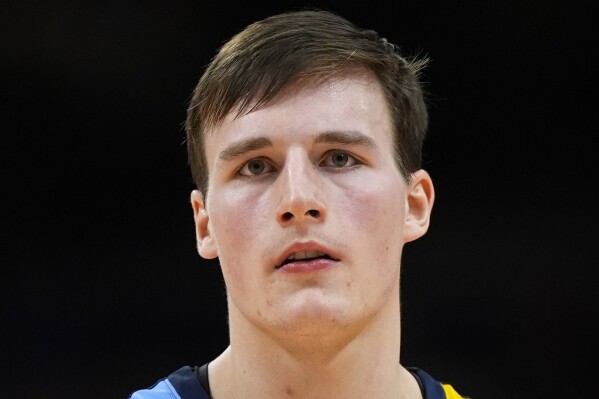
(304, 138)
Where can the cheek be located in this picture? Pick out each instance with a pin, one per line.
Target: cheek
(235, 215)
(238, 220)
(375, 208)
(373, 216)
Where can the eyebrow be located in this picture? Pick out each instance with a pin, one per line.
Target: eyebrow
(243, 146)
(351, 137)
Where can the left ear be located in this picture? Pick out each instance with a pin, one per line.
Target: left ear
(419, 203)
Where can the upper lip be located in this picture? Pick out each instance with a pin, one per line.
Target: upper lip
(308, 246)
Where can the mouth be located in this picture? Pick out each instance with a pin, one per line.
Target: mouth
(305, 256)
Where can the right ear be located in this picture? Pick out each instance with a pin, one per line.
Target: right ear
(204, 238)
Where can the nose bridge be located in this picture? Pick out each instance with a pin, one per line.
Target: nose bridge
(297, 173)
(300, 189)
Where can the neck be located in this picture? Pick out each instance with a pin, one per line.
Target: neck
(354, 362)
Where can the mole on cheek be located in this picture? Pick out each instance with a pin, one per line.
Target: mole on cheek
(289, 391)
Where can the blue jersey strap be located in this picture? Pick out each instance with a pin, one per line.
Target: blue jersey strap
(431, 389)
(182, 384)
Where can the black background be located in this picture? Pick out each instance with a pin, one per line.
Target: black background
(103, 290)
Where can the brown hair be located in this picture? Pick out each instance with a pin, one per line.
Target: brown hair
(256, 64)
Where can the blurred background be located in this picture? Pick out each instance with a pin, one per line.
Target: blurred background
(104, 292)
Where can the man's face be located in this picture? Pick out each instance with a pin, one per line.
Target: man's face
(307, 210)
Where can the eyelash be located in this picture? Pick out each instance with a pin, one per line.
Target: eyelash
(352, 160)
(244, 170)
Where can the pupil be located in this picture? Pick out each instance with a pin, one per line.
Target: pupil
(339, 159)
(256, 167)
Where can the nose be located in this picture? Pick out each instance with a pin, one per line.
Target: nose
(301, 192)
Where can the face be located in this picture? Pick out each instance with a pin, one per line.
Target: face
(307, 210)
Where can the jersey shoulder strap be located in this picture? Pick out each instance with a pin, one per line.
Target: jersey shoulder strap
(450, 393)
(431, 388)
(182, 384)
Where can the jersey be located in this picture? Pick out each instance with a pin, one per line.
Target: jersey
(192, 383)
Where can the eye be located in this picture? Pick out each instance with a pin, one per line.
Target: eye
(339, 159)
(255, 167)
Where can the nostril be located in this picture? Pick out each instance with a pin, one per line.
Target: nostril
(287, 216)
(311, 214)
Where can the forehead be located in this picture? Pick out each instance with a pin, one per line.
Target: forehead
(306, 108)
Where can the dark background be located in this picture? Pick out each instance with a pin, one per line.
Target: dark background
(103, 290)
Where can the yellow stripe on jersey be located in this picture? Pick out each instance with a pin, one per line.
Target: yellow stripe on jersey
(450, 393)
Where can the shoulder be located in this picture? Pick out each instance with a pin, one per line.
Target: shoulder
(182, 384)
(431, 388)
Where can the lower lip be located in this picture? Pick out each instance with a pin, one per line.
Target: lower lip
(309, 266)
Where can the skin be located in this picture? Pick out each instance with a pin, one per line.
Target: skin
(312, 170)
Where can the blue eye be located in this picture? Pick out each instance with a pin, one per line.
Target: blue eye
(339, 159)
(255, 167)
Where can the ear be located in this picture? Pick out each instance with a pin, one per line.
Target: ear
(204, 238)
(419, 204)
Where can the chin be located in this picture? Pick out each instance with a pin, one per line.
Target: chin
(310, 315)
